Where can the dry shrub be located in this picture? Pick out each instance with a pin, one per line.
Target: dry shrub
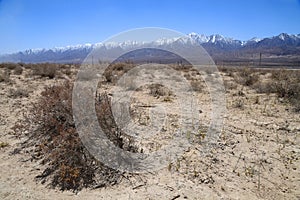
(5, 76)
(158, 90)
(18, 93)
(287, 86)
(182, 67)
(223, 69)
(246, 76)
(197, 86)
(239, 103)
(264, 87)
(227, 70)
(54, 141)
(65, 69)
(3, 145)
(109, 126)
(9, 66)
(229, 85)
(115, 70)
(44, 70)
(285, 83)
(18, 70)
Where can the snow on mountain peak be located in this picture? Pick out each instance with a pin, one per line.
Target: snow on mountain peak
(255, 39)
(282, 36)
(191, 38)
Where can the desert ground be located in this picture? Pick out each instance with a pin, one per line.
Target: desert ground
(257, 155)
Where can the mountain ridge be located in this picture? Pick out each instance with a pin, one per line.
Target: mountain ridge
(218, 46)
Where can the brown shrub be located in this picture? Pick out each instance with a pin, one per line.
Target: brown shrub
(158, 90)
(3, 145)
(285, 83)
(4, 76)
(44, 70)
(53, 139)
(228, 70)
(18, 70)
(239, 103)
(18, 93)
(197, 86)
(246, 76)
(115, 70)
(9, 66)
(229, 85)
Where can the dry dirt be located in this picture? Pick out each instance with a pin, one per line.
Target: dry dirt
(257, 155)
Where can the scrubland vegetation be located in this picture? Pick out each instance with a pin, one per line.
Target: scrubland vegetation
(252, 152)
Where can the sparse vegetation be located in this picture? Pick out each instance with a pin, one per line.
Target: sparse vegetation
(9, 66)
(44, 70)
(158, 90)
(245, 76)
(4, 76)
(115, 70)
(51, 131)
(18, 70)
(260, 119)
(18, 93)
(285, 83)
(3, 144)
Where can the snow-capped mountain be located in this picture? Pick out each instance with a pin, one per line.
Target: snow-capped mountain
(217, 46)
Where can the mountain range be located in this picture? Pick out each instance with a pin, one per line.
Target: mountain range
(283, 48)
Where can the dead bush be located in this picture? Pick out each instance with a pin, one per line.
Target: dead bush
(53, 140)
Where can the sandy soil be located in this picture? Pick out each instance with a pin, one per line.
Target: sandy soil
(257, 155)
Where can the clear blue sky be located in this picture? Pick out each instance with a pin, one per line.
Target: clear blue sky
(28, 24)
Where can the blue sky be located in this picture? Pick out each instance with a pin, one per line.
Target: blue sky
(50, 23)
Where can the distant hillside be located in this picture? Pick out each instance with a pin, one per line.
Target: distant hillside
(284, 48)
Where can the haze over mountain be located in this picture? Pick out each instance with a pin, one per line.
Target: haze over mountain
(283, 47)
